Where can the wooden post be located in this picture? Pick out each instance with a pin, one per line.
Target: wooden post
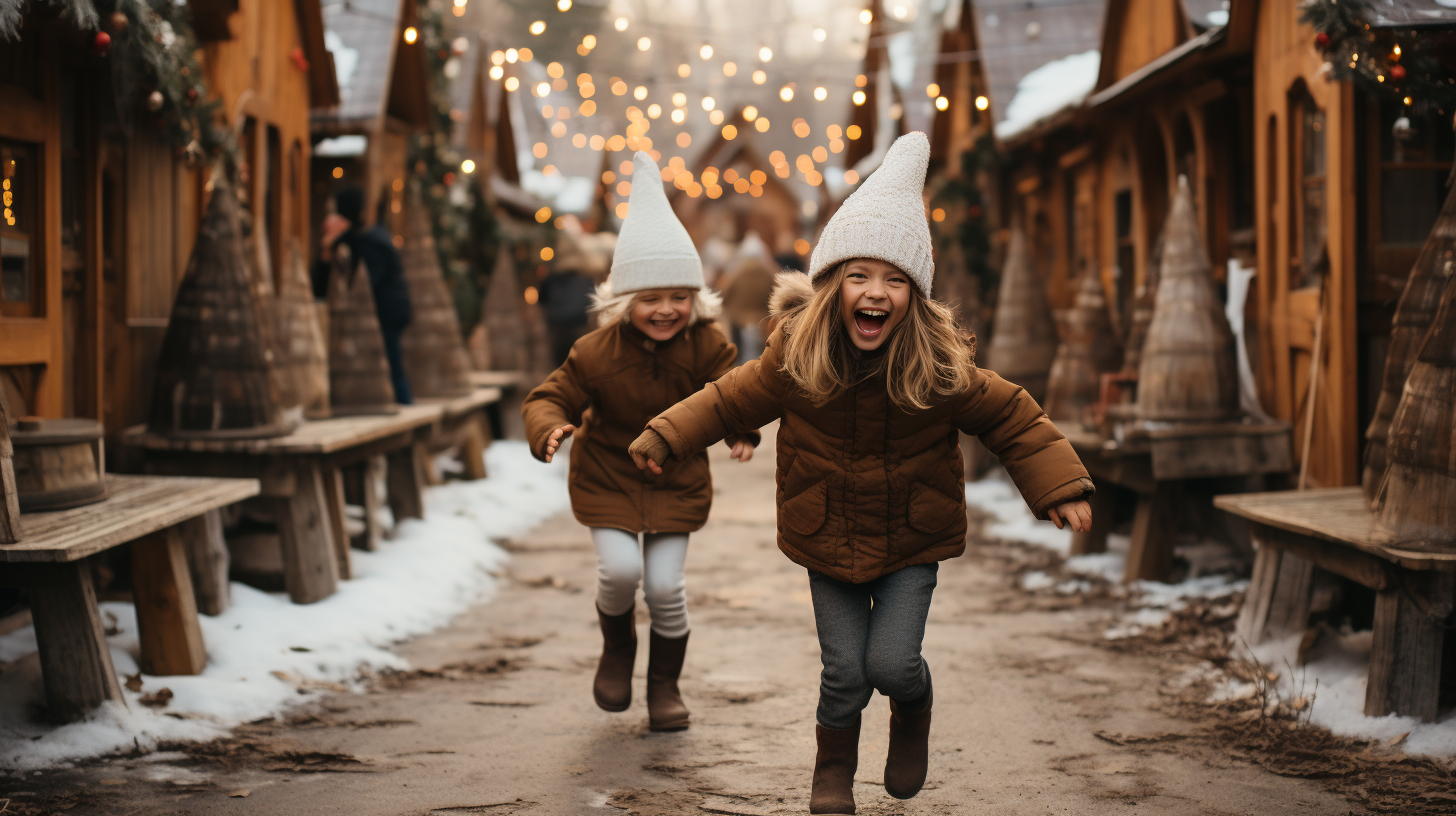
(1104, 504)
(474, 439)
(9, 491)
(1405, 661)
(1150, 555)
(207, 556)
(406, 484)
(74, 659)
(333, 479)
(310, 567)
(361, 488)
(1259, 595)
(167, 625)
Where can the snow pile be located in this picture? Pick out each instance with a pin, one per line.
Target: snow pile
(1049, 90)
(996, 496)
(265, 653)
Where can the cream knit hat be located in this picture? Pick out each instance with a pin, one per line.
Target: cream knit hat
(653, 249)
(885, 217)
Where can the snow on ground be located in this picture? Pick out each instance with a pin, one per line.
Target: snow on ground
(265, 653)
(1333, 678)
(1049, 90)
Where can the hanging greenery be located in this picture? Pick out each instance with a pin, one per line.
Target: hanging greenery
(1394, 62)
(968, 222)
(466, 233)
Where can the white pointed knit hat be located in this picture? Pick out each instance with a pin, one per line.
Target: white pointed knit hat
(885, 217)
(653, 249)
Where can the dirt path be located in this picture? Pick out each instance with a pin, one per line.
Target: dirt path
(498, 717)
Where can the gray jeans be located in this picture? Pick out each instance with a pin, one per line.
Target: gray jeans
(869, 639)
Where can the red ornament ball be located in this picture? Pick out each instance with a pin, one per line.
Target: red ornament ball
(448, 178)
(974, 211)
(1397, 72)
(300, 61)
(1322, 40)
(101, 43)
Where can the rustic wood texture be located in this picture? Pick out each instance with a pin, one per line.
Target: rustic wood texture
(9, 491)
(361, 489)
(358, 370)
(1254, 612)
(167, 625)
(74, 659)
(1187, 371)
(504, 317)
(1406, 645)
(1417, 496)
(1088, 349)
(465, 425)
(324, 436)
(137, 506)
(59, 463)
(1024, 339)
(301, 340)
(406, 479)
(502, 379)
(1414, 313)
(208, 561)
(1140, 313)
(435, 361)
(1224, 449)
(333, 479)
(310, 564)
(1154, 526)
(213, 376)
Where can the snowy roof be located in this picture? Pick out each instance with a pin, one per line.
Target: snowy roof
(1205, 14)
(360, 33)
(1019, 36)
(1413, 12)
(1047, 91)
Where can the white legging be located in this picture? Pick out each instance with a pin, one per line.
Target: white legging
(657, 564)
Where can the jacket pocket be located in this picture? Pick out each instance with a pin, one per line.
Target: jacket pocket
(930, 510)
(804, 513)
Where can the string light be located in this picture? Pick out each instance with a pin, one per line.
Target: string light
(765, 54)
(539, 150)
(937, 215)
(820, 154)
(624, 188)
(932, 90)
(853, 132)
(597, 142)
(801, 246)
(679, 99)
(820, 34)
(706, 52)
(525, 55)
(548, 170)
(730, 132)
(684, 71)
(644, 43)
(497, 57)
(900, 12)
(941, 103)
(801, 128)
(496, 72)
(761, 124)
(684, 139)
(759, 77)
(730, 68)
(543, 215)
(836, 146)
(821, 93)
(543, 88)
(590, 41)
(678, 116)
(750, 113)
(616, 143)
(654, 110)
(786, 93)
(716, 117)
(608, 177)
(538, 28)
(579, 140)
(558, 130)
(833, 132)
(640, 92)
(563, 5)
(708, 103)
(618, 87)
(588, 108)
(861, 81)
(851, 177)
(587, 90)
(621, 24)
(512, 55)
(866, 16)
(858, 98)
(982, 103)
(547, 253)
(512, 83)
(411, 34)
(625, 168)
(338, 173)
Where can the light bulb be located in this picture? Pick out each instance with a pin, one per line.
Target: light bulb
(866, 16)
(621, 24)
(684, 71)
(411, 34)
(708, 103)
(750, 113)
(982, 103)
(759, 77)
(820, 34)
(821, 93)
(786, 93)
(538, 28)
(467, 166)
(765, 53)
(859, 97)
(706, 52)
(644, 43)
(563, 5)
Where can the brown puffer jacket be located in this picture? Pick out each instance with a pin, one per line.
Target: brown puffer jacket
(614, 380)
(865, 488)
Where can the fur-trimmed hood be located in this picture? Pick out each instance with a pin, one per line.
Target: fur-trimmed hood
(791, 290)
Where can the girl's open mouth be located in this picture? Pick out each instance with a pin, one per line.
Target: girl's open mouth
(870, 321)
(659, 323)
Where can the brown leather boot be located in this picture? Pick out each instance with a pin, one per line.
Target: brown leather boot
(665, 708)
(834, 767)
(612, 687)
(909, 748)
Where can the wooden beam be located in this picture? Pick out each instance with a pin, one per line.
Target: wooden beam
(167, 625)
(75, 661)
(208, 560)
(1406, 645)
(310, 567)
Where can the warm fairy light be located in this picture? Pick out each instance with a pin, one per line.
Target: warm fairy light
(678, 116)
(897, 110)
(783, 170)
(941, 103)
(590, 41)
(804, 164)
(710, 176)
(937, 214)
(625, 168)
(757, 177)
(708, 103)
(587, 90)
(543, 88)
(801, 128)
(617, 142)
(560, 222)
(820, 154)
(525, 55)
(932, 90)
(717, 117)
(765, 54)
(531, 295)
(639, 92)
(836, 146)
(497, 57)
(548, 170)
(624, 188)
(411, 34)
(621, 24)
(684, 139)
(622, 210)
(539, 150)
(496, 72)
(833, 132)
(654, 110)
(583, 79)
(759, 77)
(706, 52)
(820, 35)
(900, 12)
(777, 158)
(579, 140)
(740, 185)
(338, 173)
(821, 93)
(608, 177)
(512, 83)
(512, 55)
(866, 16)
(558, 84)
(555, 71)
(547, 253)
(644, 43)
(715, 191)
(679, 99)
(761, 124)
(858, 98)
(801, 246)
(851, 177)
(588, 108)
(583, 49)
(1396, 50)
(730, 68)
(786, 93)
(634, 113)
(853, 132)
(619, 88)
(458, 11)
(730, 132)
(861, 81)
(543, 215)
(982, 102)
(597, 142)
(1407, 100)
(750, 113)
(563, 5)
(558, 130)
(538, 28)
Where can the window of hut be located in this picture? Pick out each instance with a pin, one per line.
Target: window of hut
(1415, 158)
(20, 234)
(1126, 257)
(1308, 164)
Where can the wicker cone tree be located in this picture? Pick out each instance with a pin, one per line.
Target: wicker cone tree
(954, 286)
(1140, 311)
(1187, 372)
(358, 368)
(301, 340)
(435, 360)
(1417, 495)
(504, 318)
(214, 374)
(1025, 338)
(1413, 315)
(1089, 349)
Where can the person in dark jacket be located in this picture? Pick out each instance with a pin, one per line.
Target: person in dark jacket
(375, 247)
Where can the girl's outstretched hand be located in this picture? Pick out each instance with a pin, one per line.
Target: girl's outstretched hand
(553, 442)
(648, 450)
(1078, 514)
(742, 450)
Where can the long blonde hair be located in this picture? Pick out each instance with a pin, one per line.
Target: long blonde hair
(610, 307)
(926, 356)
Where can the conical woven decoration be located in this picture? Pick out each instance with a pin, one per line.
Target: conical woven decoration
(358, 369)
(1417, 496)
(504, 317)
(1187, 372)
(1413, 315)
(270, 327)
(954, 286)
(214, 378)
(1140, 311)
(1025, 339)
(435, 361)
(885, 217)
(300, 338)
(1088, 350)
(653, 248)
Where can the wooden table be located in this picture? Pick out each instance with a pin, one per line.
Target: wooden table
(159, 516)
(465, 424)
(1155, 463)
(1334, 529)
(302, 478)
(513, 394)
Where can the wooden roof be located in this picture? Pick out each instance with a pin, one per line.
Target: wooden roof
(323, 84)
(387, 75)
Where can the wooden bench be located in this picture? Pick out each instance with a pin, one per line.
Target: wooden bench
(513, 394)
(1155, 464)
(464, 424)
(1333, 529)
(302, 477)
(160, 517)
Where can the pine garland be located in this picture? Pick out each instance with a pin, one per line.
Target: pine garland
(1391, 62)
(968, 223)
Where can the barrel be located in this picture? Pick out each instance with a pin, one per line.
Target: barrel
(1187, 371)
(301, 341)
(435, 361)
(214, 375)
(359, 381)
(1088, 349)
(59, 463)
(1413, 315)
(1024, 338)
(506, 333)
